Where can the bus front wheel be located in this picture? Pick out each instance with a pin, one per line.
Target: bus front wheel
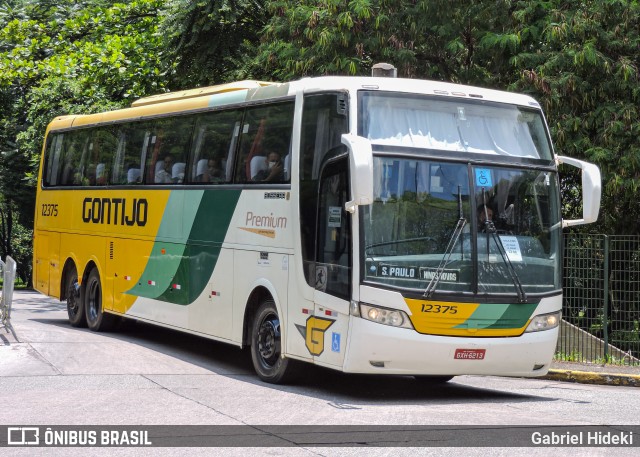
(75, 303)
(97, 319)
(266, 346)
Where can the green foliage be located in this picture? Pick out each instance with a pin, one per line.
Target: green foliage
(22, 251)
(211, 42)
(70, 58)
(434, 39)
(580, 59)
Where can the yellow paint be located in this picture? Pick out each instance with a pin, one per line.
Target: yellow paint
(440, 318)
(85, 241)
(263, 232)
(316, 327)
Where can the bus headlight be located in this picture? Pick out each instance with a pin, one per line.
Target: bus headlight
(544, 322)
(392, 317)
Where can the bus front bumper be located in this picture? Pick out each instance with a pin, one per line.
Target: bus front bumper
(382, 349)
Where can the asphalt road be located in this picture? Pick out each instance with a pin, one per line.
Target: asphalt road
(53, 374)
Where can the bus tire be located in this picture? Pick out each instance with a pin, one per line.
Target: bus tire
(75, 302)
(97, 319)
(433, 380)
(266, 351)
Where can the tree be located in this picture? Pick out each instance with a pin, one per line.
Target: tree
(435, 39)
(580, 59)
(71, 58)
(211, 41)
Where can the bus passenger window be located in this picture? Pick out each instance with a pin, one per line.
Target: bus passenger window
(265, 141)
(73, 169)
(53, 160)
(132, 143)
(213, 146)
(170, 146)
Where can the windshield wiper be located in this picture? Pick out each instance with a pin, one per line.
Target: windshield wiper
(490, 229)
(449, 250)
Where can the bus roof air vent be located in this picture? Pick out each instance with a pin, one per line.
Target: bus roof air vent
(385, 70)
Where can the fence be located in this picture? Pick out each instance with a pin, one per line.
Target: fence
(8, 269)
(601, 308)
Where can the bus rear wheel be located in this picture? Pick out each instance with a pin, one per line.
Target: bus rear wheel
(75, 302)
(266, 346)
(97, 319)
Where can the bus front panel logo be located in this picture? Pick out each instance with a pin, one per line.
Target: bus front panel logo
(313, 333)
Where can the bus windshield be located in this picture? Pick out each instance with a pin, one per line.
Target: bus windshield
(453, 125)
(476, 229)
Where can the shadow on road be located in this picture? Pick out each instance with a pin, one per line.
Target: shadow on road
(342, 391)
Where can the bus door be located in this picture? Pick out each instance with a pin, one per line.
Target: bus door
(327, 338)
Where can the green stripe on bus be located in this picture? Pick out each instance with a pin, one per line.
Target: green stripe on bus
(228, 98)
(515, 316)
(499, 316)
(183, 270)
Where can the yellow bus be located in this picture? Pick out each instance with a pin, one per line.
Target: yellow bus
(364, 224)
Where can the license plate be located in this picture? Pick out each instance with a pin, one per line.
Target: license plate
(469, 354)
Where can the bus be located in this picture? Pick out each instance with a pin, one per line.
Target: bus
(364, 224)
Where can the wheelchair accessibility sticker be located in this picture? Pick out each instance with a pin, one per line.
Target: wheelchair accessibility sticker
(483, 177)
(335, 342)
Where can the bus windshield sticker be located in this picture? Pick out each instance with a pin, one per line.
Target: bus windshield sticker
(483, 178)
(398, 271)
(427, 274)
(512, 248)
(335, 216)
(435, 186)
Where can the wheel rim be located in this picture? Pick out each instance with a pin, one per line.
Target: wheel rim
(93, 300)
(269, 340)
(73, 298)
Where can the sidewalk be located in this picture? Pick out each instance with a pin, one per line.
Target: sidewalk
(591, 373)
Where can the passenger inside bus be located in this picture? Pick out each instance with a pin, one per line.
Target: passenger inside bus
(210, 170)
(215, 169)
(271, 169)
(164, 170)
(177, 172)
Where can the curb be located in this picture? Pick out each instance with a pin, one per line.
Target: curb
(589, 377)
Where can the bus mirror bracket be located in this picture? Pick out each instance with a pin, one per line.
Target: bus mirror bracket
(591, 190)
(361, 169)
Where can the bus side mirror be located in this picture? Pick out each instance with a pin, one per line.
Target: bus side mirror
(361, 170)
(591, 190)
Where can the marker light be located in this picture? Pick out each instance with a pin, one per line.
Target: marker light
(544, 322)
(392, 317)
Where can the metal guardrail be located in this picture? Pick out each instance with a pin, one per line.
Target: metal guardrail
(8, 268)
(601, 304)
